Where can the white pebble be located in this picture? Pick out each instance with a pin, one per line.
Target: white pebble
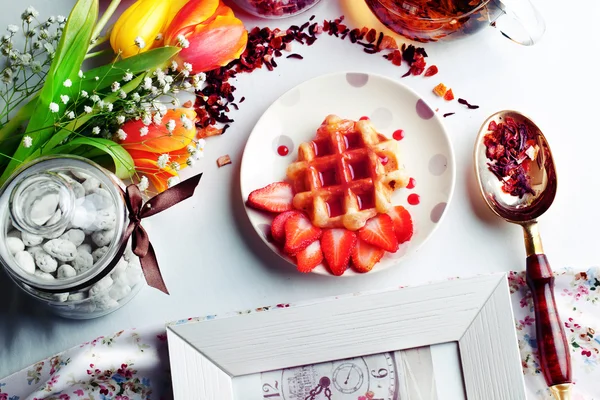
(55, 218)
(61, 297)
(86, 246)
(30, 239)
(43, 209)
(128, 254)
(101, 286)
(77, 187)
(103, 238)
(61, 249)
(121, 266)
(75, 236)
(43, 275)
(14, 245)
(86, 307)
(105, 219)
(77, 173)
(14, 233)
(83, 261)
(33, 250)
(77, 296)
(25, 261)
(100, 198)
(90, 184)
(119, 291)
(134, 276)
(56, 234)
(120, 278)
(45, 262)
(65, 271)
(105, 302)
(99, 253)
(84, 215)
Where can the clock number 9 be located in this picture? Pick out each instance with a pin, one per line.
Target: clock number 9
(267, 388)
(382, 373)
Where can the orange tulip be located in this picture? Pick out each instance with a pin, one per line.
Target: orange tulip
(212, 34)
(146, 144)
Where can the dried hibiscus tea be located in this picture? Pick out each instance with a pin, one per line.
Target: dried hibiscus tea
(223, 161)
(449, 96)
(440, 90)
(511, 147)
(431, 71)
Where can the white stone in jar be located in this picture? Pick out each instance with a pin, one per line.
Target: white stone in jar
(61, 297)
(99, 253)
(134, 275)
(77, 296)
(75, 236)
(43, 208)
(25, 260)
(55, 218)
(33, 250)
(84, 215)
(29, 239)
(105, 302)
(83, 261)
(106, 219)
(61, 249)
(90, 184)
(100, 198)
(121, 266)
(65, 271)
(85, 246)
(14, 233)
(86, 307)
(43, 275)
(77, 187)
(55, 235)
(101, 286)
(103, 238)
(77, 173)
(14, 245)
(45, 262)
(119, 291)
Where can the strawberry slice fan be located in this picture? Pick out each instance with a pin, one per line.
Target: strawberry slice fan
(314, 225)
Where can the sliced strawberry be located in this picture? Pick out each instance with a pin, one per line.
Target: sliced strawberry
(379, 231)
(276, 197)
(403, 224)
(365, 256)
(310, 257)
(278, 225)
(299, 233)
(337, 245)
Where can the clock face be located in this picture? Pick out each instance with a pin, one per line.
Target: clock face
(370, 377)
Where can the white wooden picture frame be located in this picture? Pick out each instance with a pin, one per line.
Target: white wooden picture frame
(207, 356)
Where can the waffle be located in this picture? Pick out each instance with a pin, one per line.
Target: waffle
(346, 175)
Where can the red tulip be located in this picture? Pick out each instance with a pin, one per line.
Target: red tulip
(210, 34)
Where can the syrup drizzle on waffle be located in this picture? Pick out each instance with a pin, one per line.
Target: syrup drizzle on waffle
(346, 175)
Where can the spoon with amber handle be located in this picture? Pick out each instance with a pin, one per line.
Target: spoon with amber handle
(521, 200)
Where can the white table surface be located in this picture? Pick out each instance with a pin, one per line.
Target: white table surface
(210, 256)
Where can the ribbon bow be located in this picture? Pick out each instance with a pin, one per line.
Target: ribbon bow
(139, 210)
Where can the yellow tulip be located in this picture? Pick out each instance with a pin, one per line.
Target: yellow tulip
(137, 28)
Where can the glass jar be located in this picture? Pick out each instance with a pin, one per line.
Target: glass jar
(275, 8)
(62, 223)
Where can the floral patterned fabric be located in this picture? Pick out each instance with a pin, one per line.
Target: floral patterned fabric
(132, 364)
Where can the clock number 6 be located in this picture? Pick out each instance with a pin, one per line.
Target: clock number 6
(382, 373)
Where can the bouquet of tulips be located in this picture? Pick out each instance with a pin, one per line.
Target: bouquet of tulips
(125, 114)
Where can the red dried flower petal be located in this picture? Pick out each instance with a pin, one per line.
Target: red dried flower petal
(431, 71)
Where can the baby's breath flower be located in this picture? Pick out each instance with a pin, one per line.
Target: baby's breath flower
(96, 130)
(122, 94)
(190, 149)
(139, 42)
(154, 90)
(136, 97)
(67, 83)
(199, 77)
(187, 85)
(144, 184)
(88, 109)
(51, 19)
(175, 166)
(12, 28)
(26, 58)
(27, 141)
(162, 161)
(169, 79)
(53, 107)
(60, 19)
(95, 98)
(183, 42)
(147, 83)
(101, 103)
(146, 119)
(109, 107)
(115, 86)
(143, 131)
(157, 118)
(159, 37)
(97, 78)
(190, 162)
(175, 102)
(200, 144)
(166, 88)
(70, 115)
(121, 134)
(84, 93)
(172, 181)
(7, 75)
(187, 123)
(36, 66)
(120, 119)
(185, 73)
(188, 66)
(64, 98)
(49, 48)
(170, 125)
(174, 65)
(80, 74)
(127, 77)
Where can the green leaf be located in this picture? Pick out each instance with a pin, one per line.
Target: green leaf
(109, 73)
(124, 166)
(66, 64)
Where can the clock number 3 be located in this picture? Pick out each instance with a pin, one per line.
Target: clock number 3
(381, 373)
(267, 388)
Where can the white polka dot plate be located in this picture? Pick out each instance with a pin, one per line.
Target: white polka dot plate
(294, 118)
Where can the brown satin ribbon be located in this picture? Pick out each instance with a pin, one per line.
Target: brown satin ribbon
(139, 210)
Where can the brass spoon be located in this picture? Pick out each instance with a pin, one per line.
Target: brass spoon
(555, 359)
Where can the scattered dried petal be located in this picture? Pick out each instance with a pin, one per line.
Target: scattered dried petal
(440, 90)
(223, 161)
(431, 71)
(449, 96)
